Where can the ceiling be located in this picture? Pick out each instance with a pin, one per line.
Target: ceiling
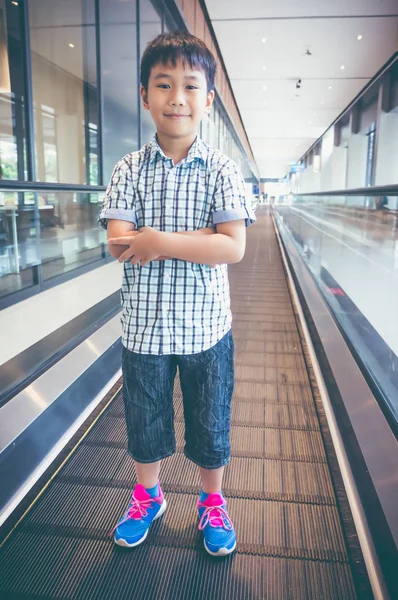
(268, 46)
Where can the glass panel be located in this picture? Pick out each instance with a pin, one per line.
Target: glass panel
(18, 242)
(69, 233)
(150, 27)
(205, 129)
(216, 127)
(64, 89)
(61, 235)
(12, 126)
(119, 81)
(370, 156)
(350, 245)
(211, 128)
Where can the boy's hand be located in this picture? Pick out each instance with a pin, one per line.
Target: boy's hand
(143, 246)
(128, 238)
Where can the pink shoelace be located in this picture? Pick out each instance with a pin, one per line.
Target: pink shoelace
(215, 516)
(137, 510)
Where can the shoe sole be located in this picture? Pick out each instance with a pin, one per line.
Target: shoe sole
(221, 551)
(124, 544)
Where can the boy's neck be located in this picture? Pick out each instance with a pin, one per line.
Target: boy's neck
(178, 149)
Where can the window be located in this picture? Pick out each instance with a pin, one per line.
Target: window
(119, 82)
(370, 156)
(12, 95)
(150, 27)
(64, 78)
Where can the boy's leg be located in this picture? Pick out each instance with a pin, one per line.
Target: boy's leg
(148, 383)
(147, 473)
(207, 381)
(211, 479)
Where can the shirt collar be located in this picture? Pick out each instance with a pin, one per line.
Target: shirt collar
(197, 150)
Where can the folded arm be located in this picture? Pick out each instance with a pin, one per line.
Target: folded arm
(227, 245)
(119, 229)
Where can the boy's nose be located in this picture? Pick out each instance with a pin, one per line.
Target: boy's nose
(177, 99)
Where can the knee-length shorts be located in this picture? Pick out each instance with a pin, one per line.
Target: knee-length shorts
(207, 382)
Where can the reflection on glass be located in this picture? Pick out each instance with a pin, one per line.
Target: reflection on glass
(150, 27)
(69, 233)
(60, 235)
(18, 242)
(350, 245)
(64, 89)
(12, 130)
(119, 82)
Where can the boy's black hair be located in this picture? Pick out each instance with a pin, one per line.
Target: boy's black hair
(169, 47)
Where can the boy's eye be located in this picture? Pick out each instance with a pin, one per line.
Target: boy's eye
(191, 87)
(164, 86)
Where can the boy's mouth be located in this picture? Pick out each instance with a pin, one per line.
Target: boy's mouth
(175, 115)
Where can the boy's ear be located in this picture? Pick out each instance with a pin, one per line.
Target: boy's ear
(209, 101)
(144, 96)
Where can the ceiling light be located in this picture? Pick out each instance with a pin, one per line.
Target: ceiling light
(264, 88)
(71, 45)
(359, 37)
(321, 101)
(342, 67)
(264, 68)
(14, 3)
(263, 40)
(314, 114)
(309, 122)
(330, 87)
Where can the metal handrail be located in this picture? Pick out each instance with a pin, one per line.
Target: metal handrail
(9, 185)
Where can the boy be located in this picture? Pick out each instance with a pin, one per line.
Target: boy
(175, 213)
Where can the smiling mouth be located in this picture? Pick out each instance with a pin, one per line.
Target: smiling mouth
(175, 116)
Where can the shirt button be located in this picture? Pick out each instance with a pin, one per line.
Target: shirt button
(166, 277)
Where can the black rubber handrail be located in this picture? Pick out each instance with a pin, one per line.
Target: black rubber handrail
(379, 190)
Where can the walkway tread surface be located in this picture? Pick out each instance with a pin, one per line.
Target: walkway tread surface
(278, 485)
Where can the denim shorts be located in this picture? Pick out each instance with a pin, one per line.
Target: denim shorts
(207, 382)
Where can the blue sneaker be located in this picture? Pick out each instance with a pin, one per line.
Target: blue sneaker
(218, 530)
(133, 527)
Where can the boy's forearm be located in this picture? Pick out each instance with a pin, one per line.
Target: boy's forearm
(196, 233)
(116, 251)
(217, 249)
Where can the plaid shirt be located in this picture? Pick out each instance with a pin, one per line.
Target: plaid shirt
(175, 306)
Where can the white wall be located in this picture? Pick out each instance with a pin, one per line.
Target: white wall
(339, 168)
(307, 182)
(333, 168)
(387, 154)
(356, 164)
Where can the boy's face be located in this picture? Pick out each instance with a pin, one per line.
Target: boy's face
(177, 99)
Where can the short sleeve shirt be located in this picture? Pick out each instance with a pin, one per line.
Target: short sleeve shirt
(174, 306)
